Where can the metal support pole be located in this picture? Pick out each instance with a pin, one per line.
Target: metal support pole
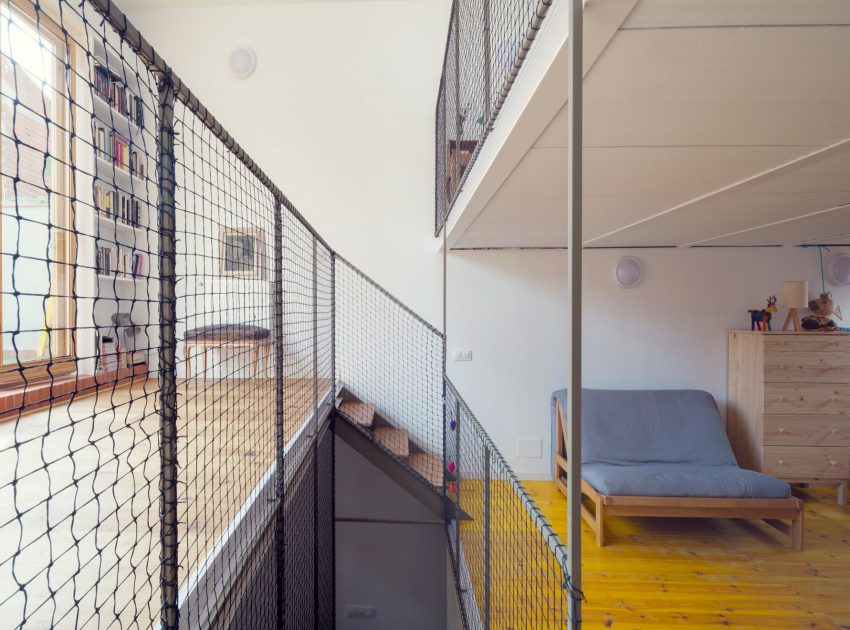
(315, 337)
(315, 439)
(457, 487)
(333, 328)
(574, 221)
(486, 524)
(488, 88)
(279, 420)
(445, 351)
(458, 119)
(168, 478)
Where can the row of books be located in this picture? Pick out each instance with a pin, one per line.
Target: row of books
(118, 206)
(115, 92)
(113, 261)
(115, 148)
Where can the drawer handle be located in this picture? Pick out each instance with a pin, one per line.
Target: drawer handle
(781, 461)
(781, 430)
(832, 463)
(835, 429)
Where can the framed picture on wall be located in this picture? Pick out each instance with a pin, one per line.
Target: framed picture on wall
(242, 252)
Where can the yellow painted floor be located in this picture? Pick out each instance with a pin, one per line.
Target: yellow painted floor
(709, 573)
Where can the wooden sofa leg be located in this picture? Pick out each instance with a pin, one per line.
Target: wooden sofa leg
(600, 524)
(797, 532)
(594, 518)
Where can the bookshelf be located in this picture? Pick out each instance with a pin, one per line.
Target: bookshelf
(122, 217)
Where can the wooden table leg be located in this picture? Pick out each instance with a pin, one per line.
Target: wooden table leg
(842, 494)
(187, 359)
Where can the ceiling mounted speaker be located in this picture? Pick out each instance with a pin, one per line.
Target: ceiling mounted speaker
(243, 62)
(838, 270)
(628, 272)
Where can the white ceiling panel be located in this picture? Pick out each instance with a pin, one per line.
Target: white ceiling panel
(696, 130)
(826, 227)
(806, 186)
(725, 86)
(690, 13)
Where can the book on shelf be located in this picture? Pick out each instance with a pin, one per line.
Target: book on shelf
(115, 148)
(108, 354)
(118, 206)
(115, 92)
(114, 261)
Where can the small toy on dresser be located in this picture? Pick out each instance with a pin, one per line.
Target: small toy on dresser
(760, 319)
(822, 308)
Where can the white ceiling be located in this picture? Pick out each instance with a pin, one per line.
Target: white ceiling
(707, 122)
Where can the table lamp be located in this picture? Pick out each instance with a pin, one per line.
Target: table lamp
(793, 294)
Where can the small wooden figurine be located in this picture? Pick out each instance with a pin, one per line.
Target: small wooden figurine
(760, 320)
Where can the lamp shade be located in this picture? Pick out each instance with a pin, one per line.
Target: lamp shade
(794, 294)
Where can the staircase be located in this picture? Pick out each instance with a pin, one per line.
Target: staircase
(394, 440)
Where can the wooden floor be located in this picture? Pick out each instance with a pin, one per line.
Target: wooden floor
(79, 529)
(705, 573)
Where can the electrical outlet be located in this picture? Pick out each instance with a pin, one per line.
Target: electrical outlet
(361, 612)
(462, 355)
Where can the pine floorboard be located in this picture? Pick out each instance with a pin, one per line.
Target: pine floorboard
(79, 527)
(709, 573)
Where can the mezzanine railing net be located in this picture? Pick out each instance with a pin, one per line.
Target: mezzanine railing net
(160, 357)
(487, 43)
(79, 514)
(391, 359)
(509, 564)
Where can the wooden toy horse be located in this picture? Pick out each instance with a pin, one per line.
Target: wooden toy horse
(760, 320)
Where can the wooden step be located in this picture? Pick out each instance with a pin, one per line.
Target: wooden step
(395, 440)
(361, 413)
(429, 466)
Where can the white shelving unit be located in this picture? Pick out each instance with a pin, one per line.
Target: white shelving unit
(127, 225)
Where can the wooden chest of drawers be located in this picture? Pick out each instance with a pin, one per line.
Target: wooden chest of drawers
(789, 405)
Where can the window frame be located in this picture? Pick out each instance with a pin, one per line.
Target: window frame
(64, 364)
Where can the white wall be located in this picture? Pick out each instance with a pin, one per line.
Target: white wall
(340, 114)
(509, 308)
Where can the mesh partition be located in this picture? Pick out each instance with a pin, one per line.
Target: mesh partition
(509, 564)
(175, 337)
(441, 191)
(226, 397)
(79, 282)
(486, 47)
(392, 361)
(161, 357)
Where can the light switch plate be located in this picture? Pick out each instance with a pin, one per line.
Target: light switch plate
(462, 355)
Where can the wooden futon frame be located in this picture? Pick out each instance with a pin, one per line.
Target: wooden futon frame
(785, 515)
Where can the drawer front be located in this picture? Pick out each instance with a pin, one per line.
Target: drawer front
(784, 366)
(807, 430)
(807, 342)
(803, 462)
(811, 399)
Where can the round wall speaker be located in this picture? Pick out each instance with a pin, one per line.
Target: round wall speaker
(628, 272)
(838, 270)
(243, 62)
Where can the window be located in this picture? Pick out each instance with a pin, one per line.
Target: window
(36, 223)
